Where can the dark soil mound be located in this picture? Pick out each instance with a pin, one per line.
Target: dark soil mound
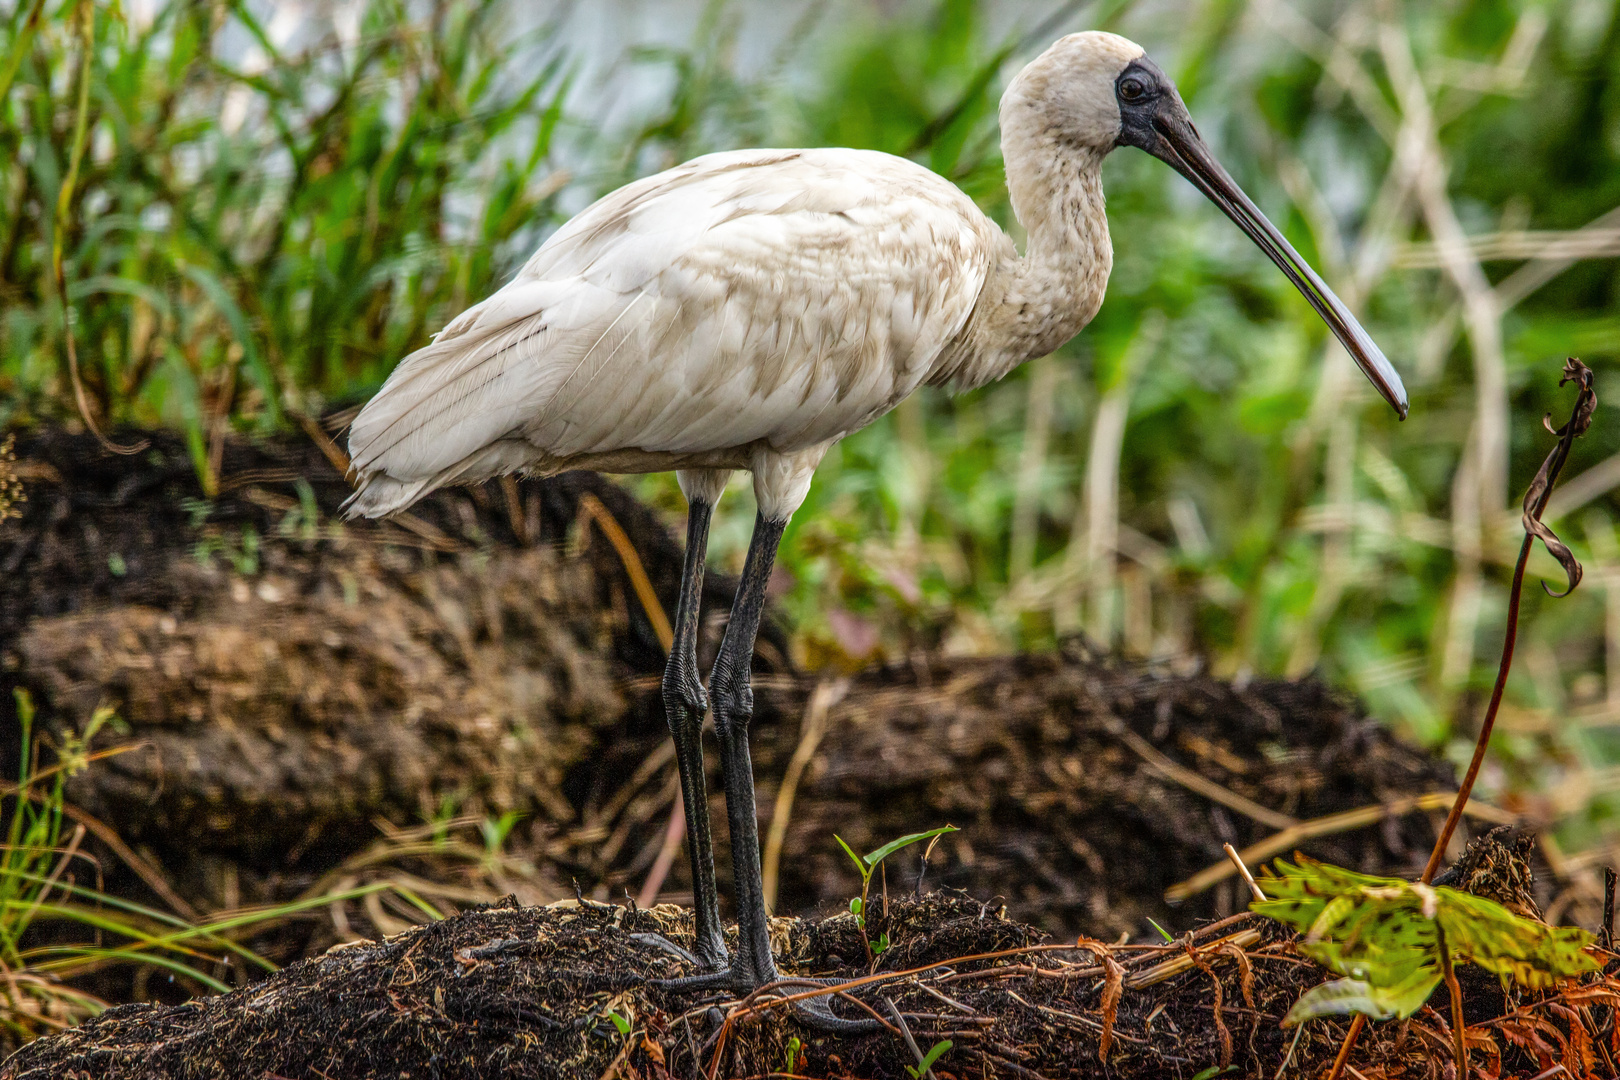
(1063, 771)
(292, 679)
(559, 992)
(297, 686)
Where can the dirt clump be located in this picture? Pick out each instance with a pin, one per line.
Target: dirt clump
(567, 991)
(1062, 769)
(561, 991)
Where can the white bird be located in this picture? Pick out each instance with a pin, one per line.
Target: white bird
(746, 310)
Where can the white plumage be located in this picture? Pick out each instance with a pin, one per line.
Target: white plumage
(746, 305)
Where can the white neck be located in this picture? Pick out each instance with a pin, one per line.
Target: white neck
(1031, 305)
(1056, 128)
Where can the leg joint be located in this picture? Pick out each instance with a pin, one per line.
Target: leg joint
(683, 689)
(733, 697)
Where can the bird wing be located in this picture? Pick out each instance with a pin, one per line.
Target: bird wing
(788, 296)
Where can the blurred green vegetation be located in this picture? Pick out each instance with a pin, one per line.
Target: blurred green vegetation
(254, 232)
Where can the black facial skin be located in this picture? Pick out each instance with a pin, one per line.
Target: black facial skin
(1152, 117)
(1140, 90)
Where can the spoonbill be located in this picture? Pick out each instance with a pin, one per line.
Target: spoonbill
(748, 309)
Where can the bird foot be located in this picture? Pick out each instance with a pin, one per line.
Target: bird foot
(712, 975)
(659, 941)
(814, 1013)
(723, 979)
(817, 1012)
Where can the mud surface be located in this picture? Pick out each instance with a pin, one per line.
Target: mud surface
(535, 992)
(1063, 770)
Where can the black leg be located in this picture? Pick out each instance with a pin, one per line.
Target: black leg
(733, 700)
(685, 704)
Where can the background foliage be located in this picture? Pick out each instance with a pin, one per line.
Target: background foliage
(257, 219)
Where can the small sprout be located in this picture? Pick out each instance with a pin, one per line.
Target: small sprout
(1162, 931)
(246, 561)
(860, 867)
(866, 865)
(619, 1022)
(882, 945)
(197, 510)
(795, 1055)
(935, 1052)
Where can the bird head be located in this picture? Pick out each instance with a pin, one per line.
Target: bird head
(1092, 92)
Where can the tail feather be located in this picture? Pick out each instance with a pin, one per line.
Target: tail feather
(377, 494)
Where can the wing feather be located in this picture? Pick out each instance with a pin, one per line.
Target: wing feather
(779, 296)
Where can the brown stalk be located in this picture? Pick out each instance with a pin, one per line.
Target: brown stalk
(1248, 878)
(826, 694)
(1455, 990)
(1329, 825)
(1535, 502)
(329, 449)
(1606, 932)
(591, 508)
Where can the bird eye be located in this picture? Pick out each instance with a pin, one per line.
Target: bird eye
(1131, 89)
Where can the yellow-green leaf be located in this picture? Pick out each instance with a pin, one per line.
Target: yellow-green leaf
(1383, 935)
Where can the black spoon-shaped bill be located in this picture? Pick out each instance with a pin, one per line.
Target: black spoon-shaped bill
(1154, 119)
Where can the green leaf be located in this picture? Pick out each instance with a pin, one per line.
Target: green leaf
(1531, 953)
(935, 1052)
(1344, 996)
(1212, 1071)
(1383, 935)
(893, 846)
(619, 1022)
(220, 296)
(1162, 931)
(860, 867)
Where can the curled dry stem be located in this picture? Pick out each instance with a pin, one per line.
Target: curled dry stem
(1113, 990)
(1535, 503)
